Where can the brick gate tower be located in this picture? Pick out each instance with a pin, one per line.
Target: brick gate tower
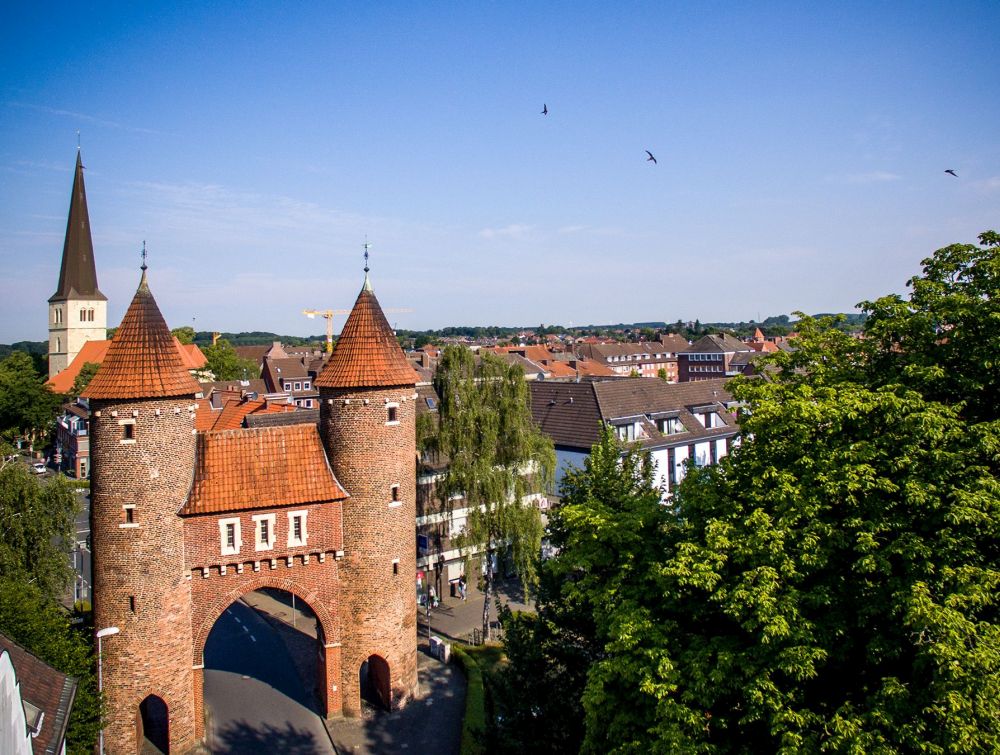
(143, 449)
(368, 424)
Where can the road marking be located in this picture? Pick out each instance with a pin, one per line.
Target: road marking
(230, 613)
(237, 619)
(253, 638)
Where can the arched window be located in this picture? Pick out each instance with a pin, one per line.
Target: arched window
(58, 344)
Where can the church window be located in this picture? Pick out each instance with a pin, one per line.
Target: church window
(131, 603)
(83, 315)
(229, 536)
(58, 344)
(297, 533)
(264, 540)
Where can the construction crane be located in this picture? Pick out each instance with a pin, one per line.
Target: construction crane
(327, 314)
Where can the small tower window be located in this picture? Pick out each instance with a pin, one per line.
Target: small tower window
(229, 536)
(131, 603)
(265, 532)
(128, 430)
(394, 499)
(392, 414)
(395, 567)
(58, 344)
(129, 514)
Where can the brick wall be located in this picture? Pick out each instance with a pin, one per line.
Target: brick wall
(140, 584)
(369, 455)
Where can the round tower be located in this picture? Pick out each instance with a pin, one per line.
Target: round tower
(142, 448)
(368, 423)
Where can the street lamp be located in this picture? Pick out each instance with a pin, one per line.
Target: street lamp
(101, 634)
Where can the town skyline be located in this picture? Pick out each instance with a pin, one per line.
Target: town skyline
(801, 158)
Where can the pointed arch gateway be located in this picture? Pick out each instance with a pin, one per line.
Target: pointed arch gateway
(152, 724)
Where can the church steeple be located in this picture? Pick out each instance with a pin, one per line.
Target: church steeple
(78, 311)
(78, 274)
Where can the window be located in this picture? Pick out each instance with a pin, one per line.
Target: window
(297, 533)
(305, 385)
(83, 315)
(131, 603)
(58, 344)
(229, 535)
(394, 500)
(625, 432)
(392, 414)
(309, 403)
(128, 430)
(395, 567)
(671, 468)
(298, 386)
(264, 539)
(130, 515)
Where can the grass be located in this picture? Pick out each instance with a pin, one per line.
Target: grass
(474, 662)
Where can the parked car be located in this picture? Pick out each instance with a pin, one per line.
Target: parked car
(39, 468)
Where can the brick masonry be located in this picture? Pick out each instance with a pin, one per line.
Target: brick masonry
(370, 453)
(139, 571)
(355, 569)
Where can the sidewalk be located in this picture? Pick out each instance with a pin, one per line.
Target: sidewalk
(456, 620)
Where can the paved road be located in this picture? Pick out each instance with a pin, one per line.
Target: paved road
(256, 700)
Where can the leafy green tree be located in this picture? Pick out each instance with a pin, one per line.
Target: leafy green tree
(496, 456)
(27, 405)
(943, 339)
(832, 585)
(36, 528)
(225, 364)
(185, 334)
(610, 513)
(662, 374)
(83, 379)
(39, 624)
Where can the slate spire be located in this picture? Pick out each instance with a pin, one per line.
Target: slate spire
(78, 274)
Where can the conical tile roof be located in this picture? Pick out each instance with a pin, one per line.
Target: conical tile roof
(367, 354)
(78, 273)
(142, 360)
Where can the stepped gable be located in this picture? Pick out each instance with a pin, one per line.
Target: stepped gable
(367, 354)
(142, 360)
(78, 273)
(261, 468)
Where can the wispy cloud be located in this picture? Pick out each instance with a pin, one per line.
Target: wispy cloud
(988, 184)
(84, 117)
(515, 231)
(872, 177)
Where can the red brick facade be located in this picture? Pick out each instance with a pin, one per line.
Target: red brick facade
(165, 569)
(369, 435)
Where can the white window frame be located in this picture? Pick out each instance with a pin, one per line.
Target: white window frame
(388, 422)
(292, 541)
(224, 547)
(123, 440)
(394, 499)
(260, 544)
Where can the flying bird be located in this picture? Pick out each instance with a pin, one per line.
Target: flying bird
(952, 172)
(650, 158)
(545, 109)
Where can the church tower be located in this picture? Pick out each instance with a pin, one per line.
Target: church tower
(78, 311)
(143, 450)
(368, 424)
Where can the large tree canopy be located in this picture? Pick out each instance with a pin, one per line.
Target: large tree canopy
(27, 406)
(832, 585)
(496, 456)
(225, 364)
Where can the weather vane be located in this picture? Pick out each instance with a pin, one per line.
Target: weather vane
(78, 140)
(367, 247)
(143, 265)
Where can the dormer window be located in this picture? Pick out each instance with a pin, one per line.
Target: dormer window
(625, 432)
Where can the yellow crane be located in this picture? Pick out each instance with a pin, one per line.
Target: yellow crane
(327, 314)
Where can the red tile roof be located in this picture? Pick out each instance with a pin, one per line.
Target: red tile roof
(49, 690)
(95, 351)
(261, 468)
(367, 354)
(142, 360)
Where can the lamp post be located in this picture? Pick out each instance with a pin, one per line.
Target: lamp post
(101, 634)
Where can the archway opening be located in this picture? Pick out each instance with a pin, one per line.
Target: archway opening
(264, 675)
(375, 681)
(153, 726)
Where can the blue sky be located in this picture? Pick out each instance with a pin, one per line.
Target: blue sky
(253, 146)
